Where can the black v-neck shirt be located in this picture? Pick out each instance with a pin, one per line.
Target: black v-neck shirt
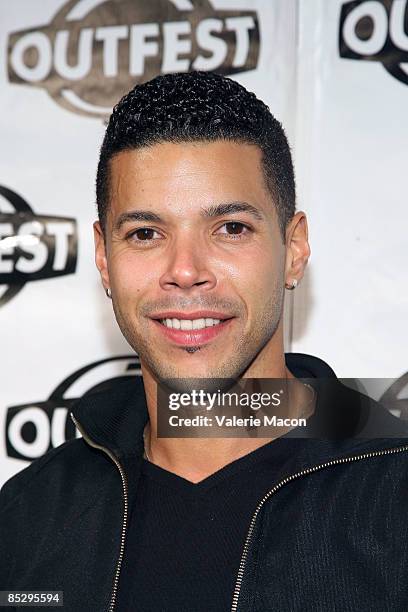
(185, 540)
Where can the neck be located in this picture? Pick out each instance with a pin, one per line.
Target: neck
(197, 458)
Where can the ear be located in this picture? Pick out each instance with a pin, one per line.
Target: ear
(100, 254)
(297, 249)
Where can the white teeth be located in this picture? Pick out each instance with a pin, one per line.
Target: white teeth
(188, 324)
(198, 323)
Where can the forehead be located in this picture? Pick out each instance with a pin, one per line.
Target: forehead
(187, 173)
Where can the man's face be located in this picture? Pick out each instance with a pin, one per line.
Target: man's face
(185, 249)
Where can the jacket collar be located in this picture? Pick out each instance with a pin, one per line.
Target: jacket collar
(115, 419)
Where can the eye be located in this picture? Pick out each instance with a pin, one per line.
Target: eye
(143, 234)
(235, 229)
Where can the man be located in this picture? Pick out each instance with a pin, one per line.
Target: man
(196, 241)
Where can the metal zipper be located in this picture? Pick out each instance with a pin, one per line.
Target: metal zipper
(125, 508)
(315, 468)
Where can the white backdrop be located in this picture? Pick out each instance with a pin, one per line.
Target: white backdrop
(62, 66)
(351, 158)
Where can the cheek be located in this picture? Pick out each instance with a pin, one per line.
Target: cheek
(130, 277)
(257, 272)
(258, 281)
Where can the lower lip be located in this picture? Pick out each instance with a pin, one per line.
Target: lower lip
(192, 337)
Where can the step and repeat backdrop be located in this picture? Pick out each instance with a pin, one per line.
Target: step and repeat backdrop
(335, 73)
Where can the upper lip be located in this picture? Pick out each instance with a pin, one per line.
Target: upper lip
(200, 314)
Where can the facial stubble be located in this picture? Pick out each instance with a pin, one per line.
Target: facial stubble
(231, 366)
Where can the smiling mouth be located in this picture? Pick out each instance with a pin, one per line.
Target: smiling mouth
(192, 332)
(190, 324)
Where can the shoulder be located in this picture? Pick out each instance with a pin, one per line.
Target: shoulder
(44, 474)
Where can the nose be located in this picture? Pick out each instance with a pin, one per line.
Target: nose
(187, 266)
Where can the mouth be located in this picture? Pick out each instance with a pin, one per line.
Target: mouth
(192, 329)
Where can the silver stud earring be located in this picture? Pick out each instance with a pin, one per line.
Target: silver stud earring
(108, 293)
(293, 285)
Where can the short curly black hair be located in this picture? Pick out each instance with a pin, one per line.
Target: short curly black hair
(198, 106)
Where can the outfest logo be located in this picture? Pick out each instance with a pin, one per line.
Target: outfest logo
(32, 247)
(33, 429)
(376, 31)
(94, 51)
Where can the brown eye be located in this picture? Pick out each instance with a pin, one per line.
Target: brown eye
(235, 230)
(234, 227)
(144, 233)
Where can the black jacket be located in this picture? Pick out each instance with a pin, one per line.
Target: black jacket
(330, 535)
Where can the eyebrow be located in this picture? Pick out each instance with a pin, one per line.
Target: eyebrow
(229, 208)
(215, 210)
(136, 215)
